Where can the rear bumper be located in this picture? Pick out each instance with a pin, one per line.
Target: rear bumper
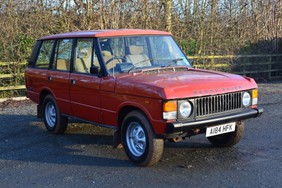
(199, 124)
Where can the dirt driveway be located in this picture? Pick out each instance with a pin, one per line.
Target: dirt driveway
(83, 157)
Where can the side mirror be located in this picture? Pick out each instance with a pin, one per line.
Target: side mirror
(94, 70)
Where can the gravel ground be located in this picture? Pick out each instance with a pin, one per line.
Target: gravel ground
(83, 157)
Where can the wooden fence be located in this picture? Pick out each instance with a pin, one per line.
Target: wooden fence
(12, 76)
(261, 67)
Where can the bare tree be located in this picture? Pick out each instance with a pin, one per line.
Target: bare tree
(200, 26)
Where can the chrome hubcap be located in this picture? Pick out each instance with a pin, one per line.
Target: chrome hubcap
(50, 114)
(136, 139)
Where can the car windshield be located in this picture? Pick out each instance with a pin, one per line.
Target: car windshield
(130, 53)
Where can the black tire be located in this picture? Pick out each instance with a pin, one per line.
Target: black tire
(149, 149)
(53, 120)
(229, 139)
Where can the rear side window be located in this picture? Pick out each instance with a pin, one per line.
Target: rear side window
(44, 54)
(63, 53)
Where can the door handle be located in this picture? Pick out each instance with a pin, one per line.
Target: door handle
(49, 78)
(73, 82)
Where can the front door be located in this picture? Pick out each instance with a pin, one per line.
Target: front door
(85, 87)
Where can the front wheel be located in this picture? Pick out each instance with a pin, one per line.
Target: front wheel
(139, 141)
(54, 121)
(229, 139)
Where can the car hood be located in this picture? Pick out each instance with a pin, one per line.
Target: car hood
(182, 83)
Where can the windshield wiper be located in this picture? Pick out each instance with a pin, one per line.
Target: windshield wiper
(174, 61)
(171, 63)
(142, 61)
(132, 68)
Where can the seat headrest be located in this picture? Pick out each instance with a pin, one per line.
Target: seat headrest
(84, 53)
(135, 50)
(106, 53)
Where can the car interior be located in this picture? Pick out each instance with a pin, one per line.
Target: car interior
(137, 57)
(130, 55)
(83, 60)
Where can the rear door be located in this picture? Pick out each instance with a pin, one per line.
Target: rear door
(85, 87)
(59, 74)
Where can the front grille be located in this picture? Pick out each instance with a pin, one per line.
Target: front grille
(218, 103)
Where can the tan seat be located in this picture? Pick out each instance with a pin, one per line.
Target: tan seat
(63, 64)
(107, 56)
(83, 61)
(137, 57)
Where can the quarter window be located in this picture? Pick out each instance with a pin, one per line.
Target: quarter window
(44, 55)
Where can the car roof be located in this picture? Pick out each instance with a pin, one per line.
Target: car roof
(105, 33)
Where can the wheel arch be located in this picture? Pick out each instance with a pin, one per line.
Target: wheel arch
(129, 108)
(121, 115)
(42, 96)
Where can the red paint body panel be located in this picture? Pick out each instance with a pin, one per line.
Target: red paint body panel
(56, 83)
(85, 97)
(59, 85)
(36, 79)
(183, 84)
(113, 102)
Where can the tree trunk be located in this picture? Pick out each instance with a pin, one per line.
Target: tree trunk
(168, 15)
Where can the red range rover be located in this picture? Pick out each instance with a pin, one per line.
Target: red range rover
(139, 83)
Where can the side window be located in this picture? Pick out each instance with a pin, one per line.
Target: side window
(44, 54)
(84, 55)
(63, 55)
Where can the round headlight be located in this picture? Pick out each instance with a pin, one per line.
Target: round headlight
(246, 99)
(185, 109)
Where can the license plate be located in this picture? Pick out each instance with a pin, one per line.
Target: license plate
(220, 129)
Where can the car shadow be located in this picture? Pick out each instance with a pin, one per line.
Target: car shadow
(24, 138)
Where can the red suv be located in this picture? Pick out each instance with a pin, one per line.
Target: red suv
(139, 83)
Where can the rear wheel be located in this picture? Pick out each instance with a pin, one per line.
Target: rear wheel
(229, 139)
(54, 121)
(139, 141)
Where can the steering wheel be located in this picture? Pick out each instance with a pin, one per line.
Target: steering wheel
(118, 58)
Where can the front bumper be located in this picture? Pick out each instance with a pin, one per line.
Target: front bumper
(203, 123)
